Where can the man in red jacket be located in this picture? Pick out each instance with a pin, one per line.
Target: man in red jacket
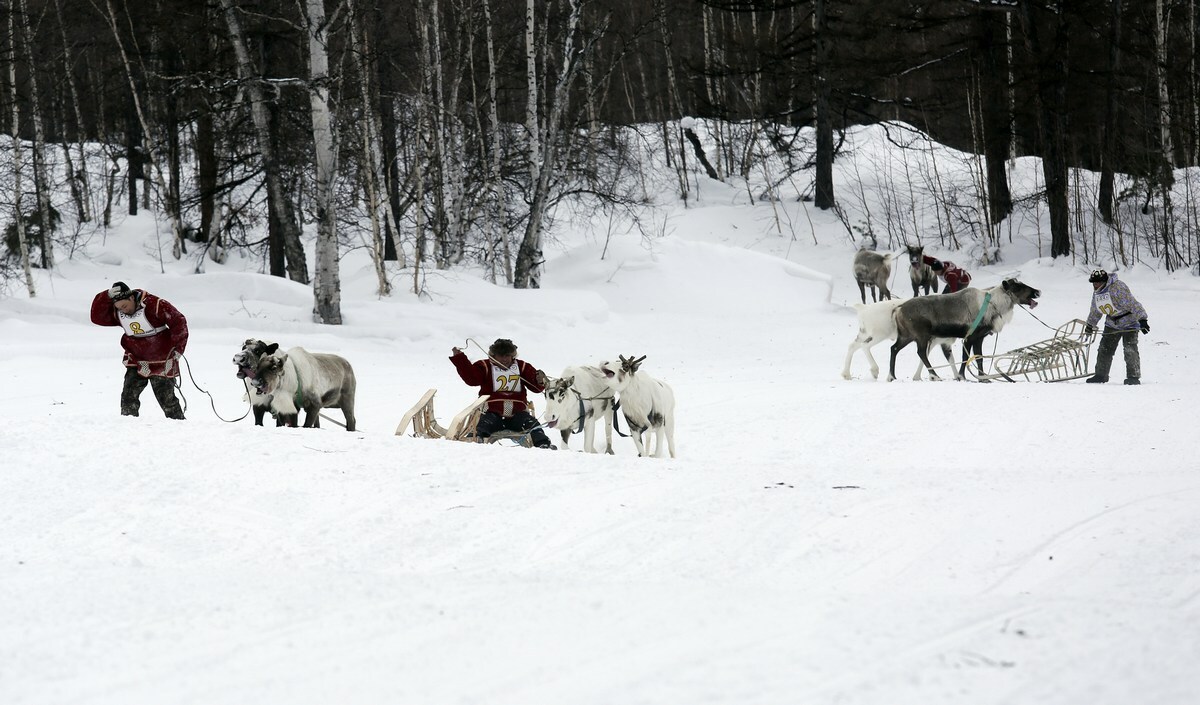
(956, 277)
(503, 379)
(156, 334)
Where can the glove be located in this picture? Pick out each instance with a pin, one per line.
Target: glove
(1144, 325)
(540, 378)
(1089, 329)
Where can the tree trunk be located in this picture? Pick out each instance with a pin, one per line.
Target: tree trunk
(41, 180)
(133, 156)
(823, 198)
(283, 220)
(995, 115)
(373, 172)
(529, 255)
(327, 286)
(500, 233)
(1108, 149)
(1166, 170)
(1051, 94)
(81, 187)
(17, 161)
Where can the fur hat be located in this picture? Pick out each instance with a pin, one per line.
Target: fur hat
(1098, 276)
(502, 346)
(120, 290)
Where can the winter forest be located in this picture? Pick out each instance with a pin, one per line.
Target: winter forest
(441, 133)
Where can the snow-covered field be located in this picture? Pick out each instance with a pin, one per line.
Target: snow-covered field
(816, 540)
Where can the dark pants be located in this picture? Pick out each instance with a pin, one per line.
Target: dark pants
(164, 392)
(1108, 348)
(490, 422)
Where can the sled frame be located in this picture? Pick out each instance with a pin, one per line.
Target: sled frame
(1064, 357)
(461, 428)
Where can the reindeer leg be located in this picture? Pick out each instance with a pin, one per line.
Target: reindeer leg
(901, 342)
(949, 353)
(923, 352)
(589, 435)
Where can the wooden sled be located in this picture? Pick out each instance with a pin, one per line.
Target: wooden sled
(462, 427)
(1064, 357)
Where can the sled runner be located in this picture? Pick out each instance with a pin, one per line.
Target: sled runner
(1061, 358)
(462, 426)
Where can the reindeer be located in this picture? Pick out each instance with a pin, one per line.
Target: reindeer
(958, 315)
(647, 403)
(877, 324)
(298, 379)
(872, 269)
(576, 400)
(246, 360)
(920, 274)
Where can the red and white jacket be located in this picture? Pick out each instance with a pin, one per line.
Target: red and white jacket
(956, 277)
(153, 333)
(504, 388)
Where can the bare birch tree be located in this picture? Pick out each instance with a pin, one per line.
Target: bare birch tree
(544, 140)
(499, 233)
(79, 179)
(327, 287)
(18, 160)
(41, 179)
(378, 210)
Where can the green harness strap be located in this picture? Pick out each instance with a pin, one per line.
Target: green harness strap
(987, 299)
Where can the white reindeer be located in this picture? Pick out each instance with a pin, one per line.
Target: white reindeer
(647, 403)
(877, 324)
(574, 402)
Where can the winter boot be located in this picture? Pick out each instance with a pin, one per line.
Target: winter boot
(1097, 379)
(1132, 380)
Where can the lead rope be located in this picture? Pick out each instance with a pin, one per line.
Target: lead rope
(179, 386)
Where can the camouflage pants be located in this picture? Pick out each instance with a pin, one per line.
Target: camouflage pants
(164, 392)
(1108, 348)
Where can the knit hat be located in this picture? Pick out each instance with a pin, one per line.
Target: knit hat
(120, 290)
(502, 346)
(1098, 276)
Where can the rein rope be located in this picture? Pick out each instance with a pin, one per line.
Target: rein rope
(211, 401)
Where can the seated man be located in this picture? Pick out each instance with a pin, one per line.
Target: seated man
(503, 379)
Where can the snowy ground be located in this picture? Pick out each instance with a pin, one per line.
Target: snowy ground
(816, 541)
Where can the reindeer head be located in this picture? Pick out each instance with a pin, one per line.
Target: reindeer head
(559, 406)
(621, 375)
(556, 389)
(247, 358)
(269, 372)
(915, 253)
(1022, 293)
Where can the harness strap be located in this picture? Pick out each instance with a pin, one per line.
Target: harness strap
(580, 398)
(987, 299)
(617, 426)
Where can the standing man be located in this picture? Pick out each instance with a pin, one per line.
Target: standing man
(1124, 318)
(156, 334)
(955, 277)
(503, 379)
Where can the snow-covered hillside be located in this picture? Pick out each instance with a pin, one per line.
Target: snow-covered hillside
(815, 541)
